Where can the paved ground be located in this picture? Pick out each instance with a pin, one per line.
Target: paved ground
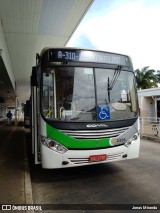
(129, 182)
(134, 181)
(11, 164)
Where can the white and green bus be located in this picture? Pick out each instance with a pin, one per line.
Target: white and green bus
(84, 108)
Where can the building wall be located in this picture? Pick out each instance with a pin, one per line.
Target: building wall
(147, 107)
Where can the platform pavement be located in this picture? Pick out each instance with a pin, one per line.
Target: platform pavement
(15, 183)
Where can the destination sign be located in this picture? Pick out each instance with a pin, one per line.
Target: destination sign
(73, 55)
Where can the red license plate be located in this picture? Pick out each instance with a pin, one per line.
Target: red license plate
(98, 157)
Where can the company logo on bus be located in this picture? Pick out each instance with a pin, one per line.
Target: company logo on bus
(96, 125)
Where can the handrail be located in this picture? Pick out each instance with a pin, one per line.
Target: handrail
(60, 111)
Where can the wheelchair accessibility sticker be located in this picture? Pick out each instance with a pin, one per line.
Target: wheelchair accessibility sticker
(103, 113)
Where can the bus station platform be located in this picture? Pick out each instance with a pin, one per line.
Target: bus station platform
(15, 184)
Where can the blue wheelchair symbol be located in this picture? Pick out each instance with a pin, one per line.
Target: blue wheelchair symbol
(103, 113)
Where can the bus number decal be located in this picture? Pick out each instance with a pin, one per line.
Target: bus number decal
(115, 141)
(70, 55)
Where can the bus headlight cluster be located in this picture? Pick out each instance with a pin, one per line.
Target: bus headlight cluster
(132, 140)
(54, 145)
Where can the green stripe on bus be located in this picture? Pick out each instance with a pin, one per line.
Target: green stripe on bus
(72, 143)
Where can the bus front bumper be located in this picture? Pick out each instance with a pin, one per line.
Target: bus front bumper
(73, 158)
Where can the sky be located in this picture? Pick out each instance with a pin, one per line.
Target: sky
(130, 27)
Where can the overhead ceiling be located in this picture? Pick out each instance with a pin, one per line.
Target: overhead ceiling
(31, 25)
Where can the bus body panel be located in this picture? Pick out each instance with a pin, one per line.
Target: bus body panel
(133, 150)
(51, 159)
(43, 130)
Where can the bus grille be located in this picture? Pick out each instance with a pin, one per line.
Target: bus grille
(86, 160)
(95, 134)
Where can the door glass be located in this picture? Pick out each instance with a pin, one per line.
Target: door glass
(48, 95)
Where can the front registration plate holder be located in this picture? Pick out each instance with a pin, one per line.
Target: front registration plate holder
(96, 158)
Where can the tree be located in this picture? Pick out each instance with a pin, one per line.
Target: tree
(147, 78)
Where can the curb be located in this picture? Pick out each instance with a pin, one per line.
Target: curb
(27, 181)
(154, 139)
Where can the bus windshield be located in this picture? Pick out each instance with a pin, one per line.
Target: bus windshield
(87, 94)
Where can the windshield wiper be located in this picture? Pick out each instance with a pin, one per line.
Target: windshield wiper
(113, 81)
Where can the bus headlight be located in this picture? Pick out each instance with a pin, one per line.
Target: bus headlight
(132, 140)
(54, 145)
